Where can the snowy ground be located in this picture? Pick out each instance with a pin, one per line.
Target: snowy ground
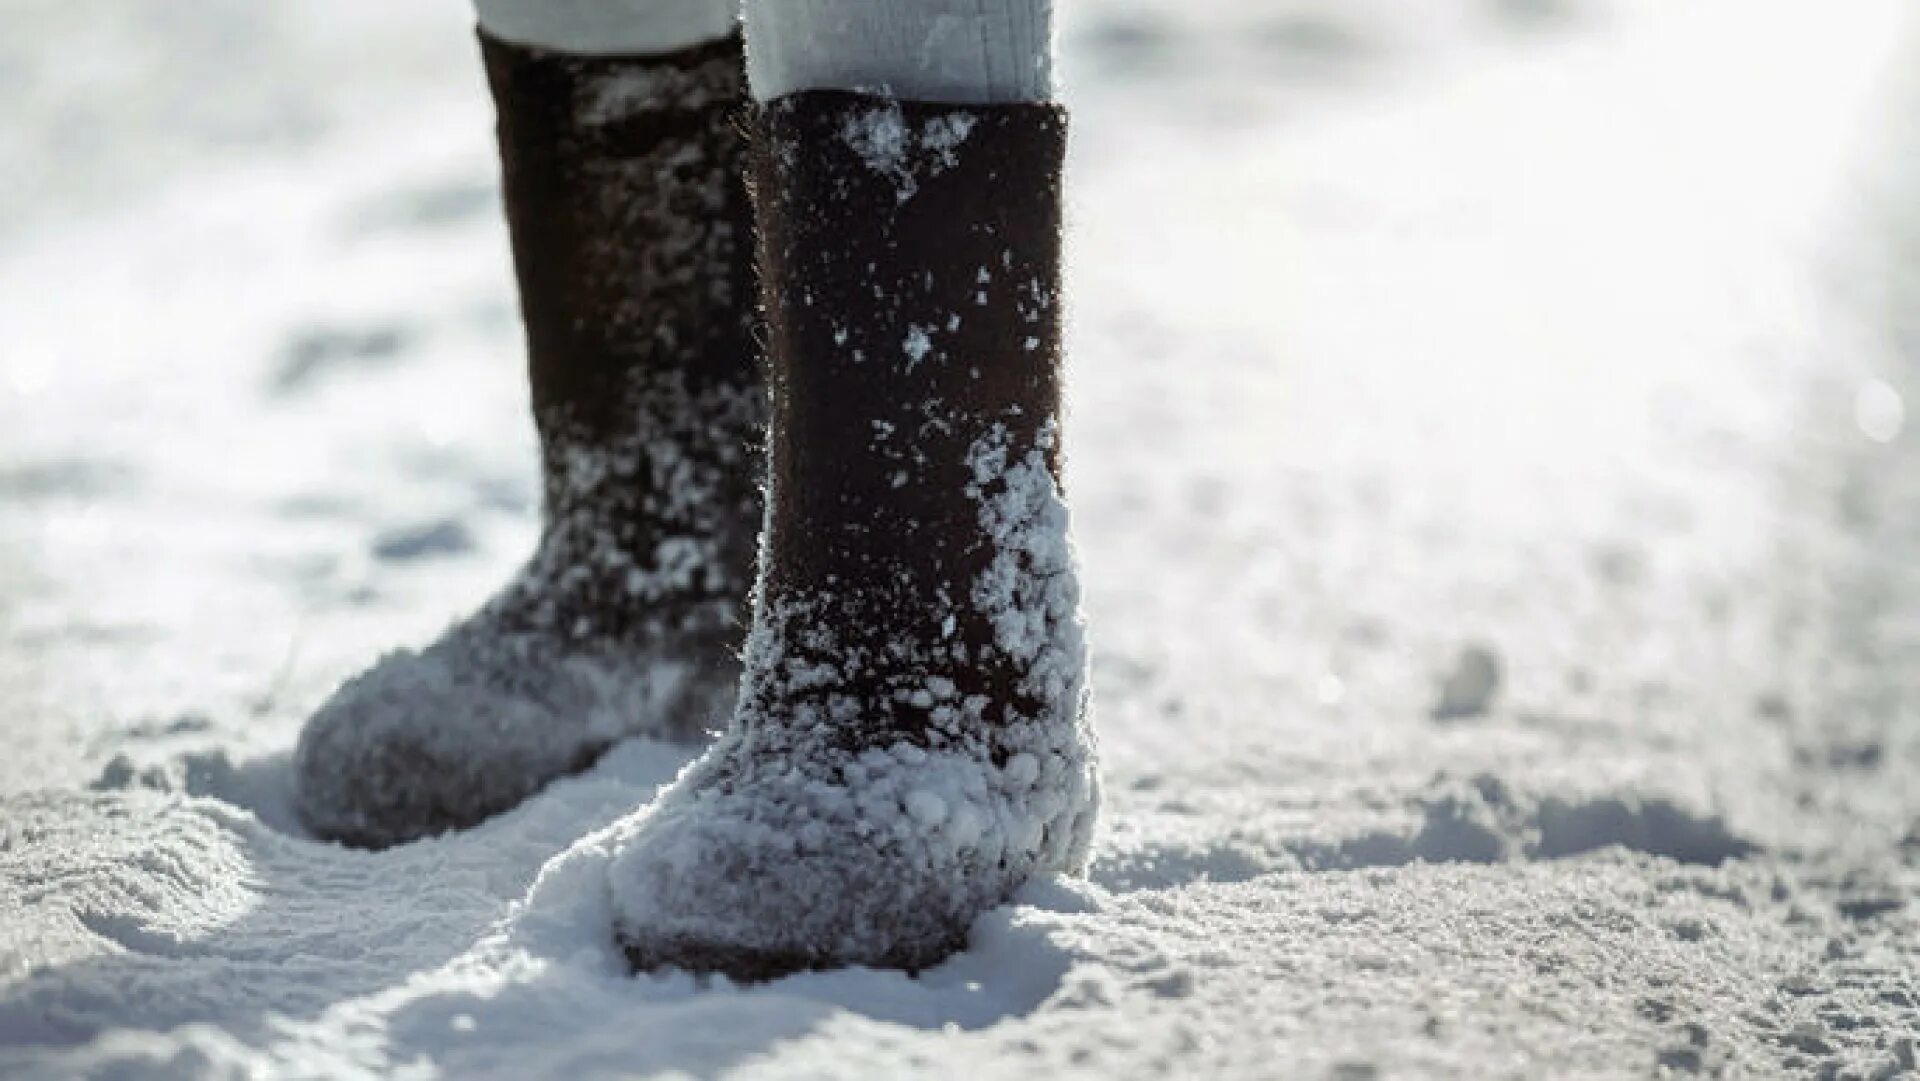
(1492, 474)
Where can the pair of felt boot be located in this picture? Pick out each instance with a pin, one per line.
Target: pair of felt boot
(862, 470)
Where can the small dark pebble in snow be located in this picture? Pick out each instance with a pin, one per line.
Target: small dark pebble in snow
(446, 537)
(1470, 687)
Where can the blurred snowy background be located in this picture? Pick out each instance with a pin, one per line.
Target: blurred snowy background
(1492, 463)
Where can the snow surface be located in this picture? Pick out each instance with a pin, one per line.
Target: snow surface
(1576, 332)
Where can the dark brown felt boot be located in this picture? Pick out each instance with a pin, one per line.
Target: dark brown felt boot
(632, 238)
(911, 743)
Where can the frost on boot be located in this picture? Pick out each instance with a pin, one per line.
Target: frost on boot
(911, 743)
(632, 240)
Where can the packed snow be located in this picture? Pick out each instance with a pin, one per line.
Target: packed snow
(1489, 457)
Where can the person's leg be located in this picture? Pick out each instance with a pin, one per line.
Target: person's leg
(965, 51)
(608, 27)
(912, 740)
(632, 241)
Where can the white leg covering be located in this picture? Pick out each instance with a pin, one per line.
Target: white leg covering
(971, 51)
(609, 26)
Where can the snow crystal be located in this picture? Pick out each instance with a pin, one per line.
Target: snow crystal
(890, 146)
(880, 137)
(917, 345)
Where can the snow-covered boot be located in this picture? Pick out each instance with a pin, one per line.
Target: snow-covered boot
(911, 743)
(632, 238)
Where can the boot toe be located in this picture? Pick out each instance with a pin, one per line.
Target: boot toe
(718, 898)
(418, 745)
(784, 874)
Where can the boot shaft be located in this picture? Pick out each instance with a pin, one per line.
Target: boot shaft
(910, 265)
(630, 222)
(632, 243)
(910, 261)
